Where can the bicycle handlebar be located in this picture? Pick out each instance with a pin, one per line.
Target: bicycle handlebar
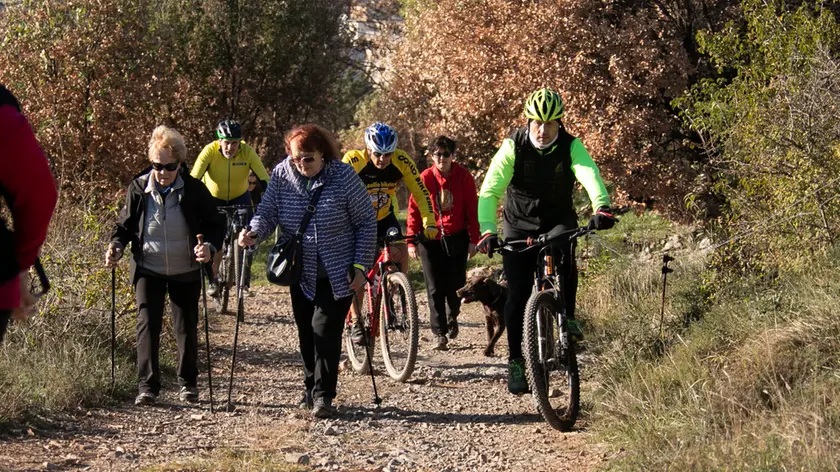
(415, 238)
(229, 209)
(544, 239)
(393, 236)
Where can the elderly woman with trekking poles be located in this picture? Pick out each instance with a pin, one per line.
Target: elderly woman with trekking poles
(165, 211)
(338, 244)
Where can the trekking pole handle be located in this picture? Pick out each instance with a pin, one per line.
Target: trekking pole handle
(200, 238)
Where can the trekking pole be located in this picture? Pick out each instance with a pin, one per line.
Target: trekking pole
(665, 271)
(240, 308)
(113, 328)
(368, 348)
(206, 328)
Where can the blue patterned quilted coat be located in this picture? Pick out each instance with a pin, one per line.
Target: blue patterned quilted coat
(342, 231)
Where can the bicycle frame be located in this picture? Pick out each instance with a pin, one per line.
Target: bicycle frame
(550, 277)
(235, 219)
(376, 288)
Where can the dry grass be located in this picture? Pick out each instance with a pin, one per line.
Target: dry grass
(60, 358)
(745, 378)
(230, 460)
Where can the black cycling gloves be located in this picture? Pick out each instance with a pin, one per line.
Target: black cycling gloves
(488, 244)
(602, 219)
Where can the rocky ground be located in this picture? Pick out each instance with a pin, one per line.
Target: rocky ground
(454, 414)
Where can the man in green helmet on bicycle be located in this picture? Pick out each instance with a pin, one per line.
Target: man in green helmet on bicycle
(224, 166)
(535, 170)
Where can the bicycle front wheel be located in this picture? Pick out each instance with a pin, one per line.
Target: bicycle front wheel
(238, 256)
(227, 278)
(550, 361)
(356, 353)
(399, 327)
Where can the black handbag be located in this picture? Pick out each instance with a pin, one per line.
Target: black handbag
(285, 260)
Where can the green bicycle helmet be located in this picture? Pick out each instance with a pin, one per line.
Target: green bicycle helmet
(544, 105)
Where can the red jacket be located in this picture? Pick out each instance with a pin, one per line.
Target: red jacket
(457, 197)
(29, 191)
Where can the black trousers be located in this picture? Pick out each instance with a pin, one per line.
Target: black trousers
(150, 291)
(520, 271)
(4, 322)
(445, 271)
(320, 324)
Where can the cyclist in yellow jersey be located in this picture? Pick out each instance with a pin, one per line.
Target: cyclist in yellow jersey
(223, 166)
(381, 167)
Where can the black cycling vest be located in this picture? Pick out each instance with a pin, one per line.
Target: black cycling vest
(539, 195)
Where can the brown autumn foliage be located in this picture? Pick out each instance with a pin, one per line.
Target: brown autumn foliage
(96, 76)
(465, 68)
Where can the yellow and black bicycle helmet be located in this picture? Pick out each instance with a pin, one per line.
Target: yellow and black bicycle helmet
(544, 105)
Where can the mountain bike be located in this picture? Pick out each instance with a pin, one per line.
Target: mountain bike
(550, 352)
(395, 321)
(229, 276)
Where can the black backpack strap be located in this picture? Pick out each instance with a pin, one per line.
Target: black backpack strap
(310, 210)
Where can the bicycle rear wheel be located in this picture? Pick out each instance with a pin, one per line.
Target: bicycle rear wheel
(550, 361)
(399, 327)
(357, 355)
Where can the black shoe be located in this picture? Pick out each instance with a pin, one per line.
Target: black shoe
(440, 343)
(188, 394)
(306, 403)
(357, 333)
(145, 399)
(322, 408)
(452, 326)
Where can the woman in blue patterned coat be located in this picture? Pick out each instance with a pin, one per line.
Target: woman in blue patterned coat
(338, 246)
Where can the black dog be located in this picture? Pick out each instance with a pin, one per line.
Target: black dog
(493, 296)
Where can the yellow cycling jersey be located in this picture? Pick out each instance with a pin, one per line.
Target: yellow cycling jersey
(226, 178)
(382, 183)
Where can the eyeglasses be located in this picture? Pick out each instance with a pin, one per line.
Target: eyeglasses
(305, 159)
(382, 154)
(252, 182)
(443, 155)
(172, 166)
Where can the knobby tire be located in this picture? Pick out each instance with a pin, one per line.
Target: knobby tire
(355, 353)
(563, 416)
(404, 327)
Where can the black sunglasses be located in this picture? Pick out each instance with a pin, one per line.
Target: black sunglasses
(443, 154)
(305, 160)
(380, 154)
(252, 182)
(170, 167)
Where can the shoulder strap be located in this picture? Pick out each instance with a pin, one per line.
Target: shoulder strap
(310, 210)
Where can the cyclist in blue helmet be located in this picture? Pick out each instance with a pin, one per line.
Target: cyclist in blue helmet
(381, 166)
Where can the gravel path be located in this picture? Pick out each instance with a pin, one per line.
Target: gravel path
(454, 414)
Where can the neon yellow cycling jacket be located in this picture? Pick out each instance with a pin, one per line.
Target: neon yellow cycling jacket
(226, 178)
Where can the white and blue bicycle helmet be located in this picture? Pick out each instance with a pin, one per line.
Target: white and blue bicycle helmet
(381, 138)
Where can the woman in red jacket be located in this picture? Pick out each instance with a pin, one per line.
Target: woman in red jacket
(455, 205)
(28, 187)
